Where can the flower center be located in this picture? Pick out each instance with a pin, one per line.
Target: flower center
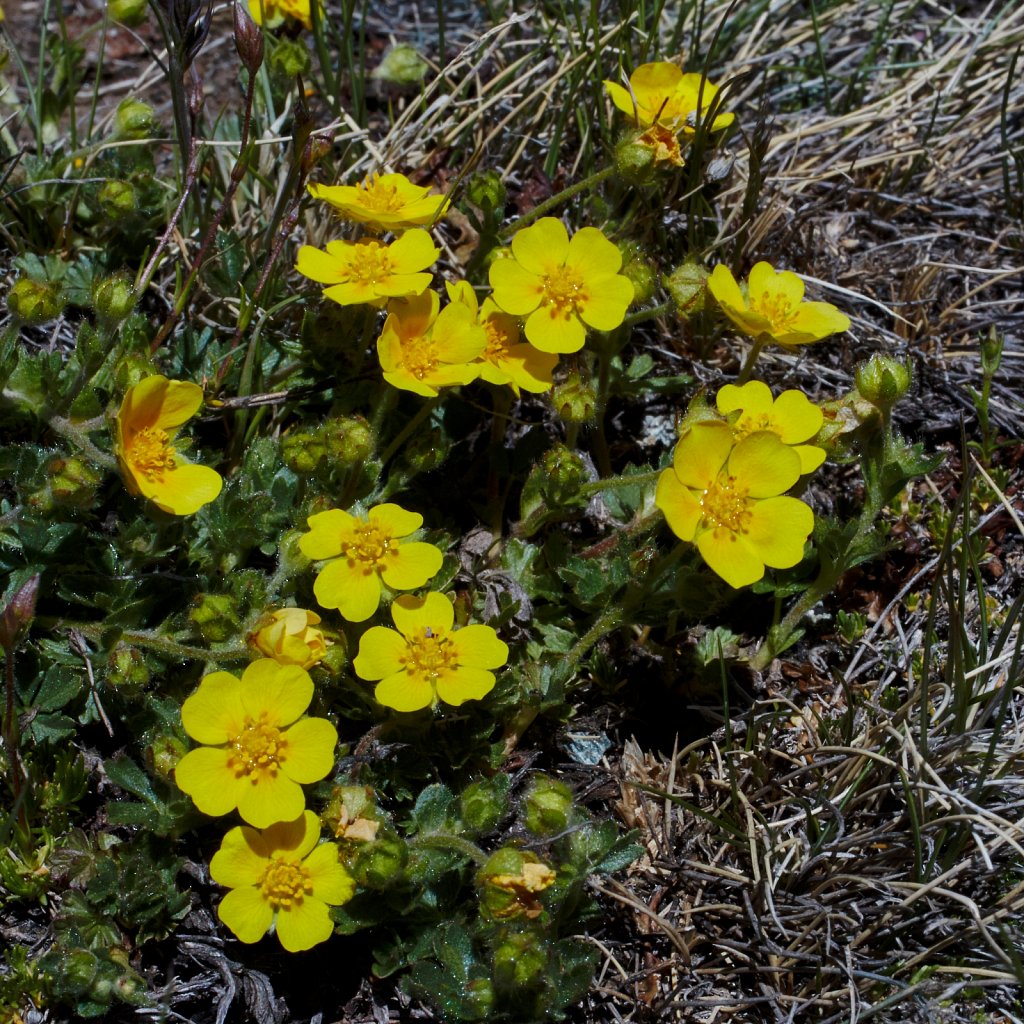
(284, 883)
(370, 263)
(368, 546)
(499, 341)
(776, 309)
(663, 144)
(381, 197)
(257, 750)
(726, 505)
(419, 354)
(430, 654)
(751, 424)
(150, 454)
(564, 292)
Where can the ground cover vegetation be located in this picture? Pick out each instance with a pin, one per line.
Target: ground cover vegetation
(511, 512)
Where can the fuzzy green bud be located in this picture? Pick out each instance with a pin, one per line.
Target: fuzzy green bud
(486, 190)
(426, 451)
(113, 297)
(118, 199)
(546, 806)
(379, 864)
(35, 302)
(402, 65)
(164, 753)
(17, 616)
(478, 999)
(634, 161)
(131, 13)
(215, 617)
(302, 451)
(127, 669)
(575, 399)
(640, 271)
(78, 970)
(134, 119)
(288, 58)
(132, 369)
(687, 287)
(882, 381)
(348, 440)
(73, 482)
(519, 961)
(562, 473)
(483, 804)
(336, 659)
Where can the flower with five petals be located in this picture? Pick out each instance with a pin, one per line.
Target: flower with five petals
(383, 202)
(726, 497)
(561, 286)
(427, 661)
(365, 554)
(147, 422)
(660, 94)
(258, 749)
(280, 878)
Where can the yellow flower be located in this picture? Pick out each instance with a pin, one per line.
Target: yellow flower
(280, 878)
(772, 305)
(289, 636)
(425, 661)
(383, 202)
(792, 416)
(147, 423)
(421, 349)
(561, 285)
(364, 553)
(504, 360)
(724, 496)
(368, 270)
(660, 93)
(271, 13)
(258, 748)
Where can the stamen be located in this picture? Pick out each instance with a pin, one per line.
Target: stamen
(150, 454)
(726, 505)
(285, 883)
(257, 750)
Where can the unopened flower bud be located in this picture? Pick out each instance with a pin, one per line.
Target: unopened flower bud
(248, 38)
(486, 190)
(687, 286)
(562, 473)
(882, 381)
(127, 668)
(117, 199)
(640, 271)
(426, 451)
(17, 616)
(547, 806)
(35, 302)
(478, 999)
(402, 65)
(288, 58)
(78, 970)
(73, 482)
(113, 297)
(302, 451)
(134, 120)
(519, 961)
(132, 369)
(163, 754)
(289, 636)
(348, 440)
(483, 804)
(379, 864)
(131, 13)
(215, 617)
(634, 161)
(575, 399)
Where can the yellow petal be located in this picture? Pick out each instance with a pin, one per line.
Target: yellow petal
(541, 246)
(778, 530)
(516, 290)
(820, 319)
(456, 686)
(414, 615)
(276, 693)
(621, 97)
(795, 417)
(204, 775)
(310, 753)
(319, 266)
(405, 691)
(593, 255)
(331, 882)
(701, 453)
(679, 504)
(381, 653)
(727, 555)
(303, 925)
(754, 398)
(348, 588)
(395, 520)
(414, 564)
(183, 490)
(478, 646)
(241, 859)
(764, 283)
(810, 457)
(412, 251)
(268, 798)
(246, 913)
(764, 465)
(214, 713)
(550, 332)
(296, 836)
(326, 530)
(180, 402)
(606, 305)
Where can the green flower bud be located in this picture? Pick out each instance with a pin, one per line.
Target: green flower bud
(379, 864)
(401, 65)
(126, 668)
(78, 970)
(639, 270)
(113, 297)
(348, 440)
(134, 120)
(634, 161)
(483, 804)
(128, 12)
(302, 452)
(215, 617)
(288, 58)
(132, 369)
(519, 961)
(478, 999)
(882, 381)
(163, 754)
(547, 806)
(35, 302)
(73, 482)
(336, 660)
(575, 400)
(426, 451)
(487, 190)
(118, 199)
(687, 287)
(562, 473)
